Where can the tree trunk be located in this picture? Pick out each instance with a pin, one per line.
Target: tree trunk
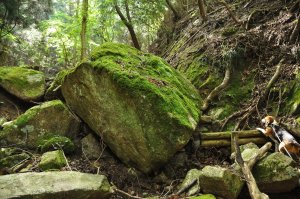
(128, 24)
(202, 9)
(170, 5)
(85, 6)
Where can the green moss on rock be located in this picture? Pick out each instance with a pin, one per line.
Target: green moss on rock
(50, 143)
(39, 121)
(52, 160)
(24, 83)
(12, 160)
(142, 107)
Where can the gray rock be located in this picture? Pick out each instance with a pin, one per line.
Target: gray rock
(220, 182)
(49, 119)
(276, 174)
(23, 83)
(144, 110)
(58, 185)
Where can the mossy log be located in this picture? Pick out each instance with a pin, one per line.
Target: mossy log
(227, 135)
(227, 142)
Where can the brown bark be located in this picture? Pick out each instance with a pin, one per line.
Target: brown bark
(85, 6)
(202, 9)
(128, 24)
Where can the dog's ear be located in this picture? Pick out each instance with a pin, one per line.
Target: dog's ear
(268, 120)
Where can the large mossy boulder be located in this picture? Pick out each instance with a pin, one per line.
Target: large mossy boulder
(144, 109)
(276, 173)
(58, 185)
(26, 84)
(38, 123)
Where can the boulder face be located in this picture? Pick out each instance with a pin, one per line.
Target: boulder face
(23, 83)
(144, 110)
(39, 123)
(59, 185)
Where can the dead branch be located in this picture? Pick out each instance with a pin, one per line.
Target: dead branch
(202, 10)
(246, 168)
(187, 187)
(125, 193)
(230, 12)
(296, 31)
(214, 93)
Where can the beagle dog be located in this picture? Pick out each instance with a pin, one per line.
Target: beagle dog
(274, 131)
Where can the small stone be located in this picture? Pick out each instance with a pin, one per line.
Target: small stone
(52, 160)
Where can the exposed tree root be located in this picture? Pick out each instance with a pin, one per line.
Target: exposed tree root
(218, 89)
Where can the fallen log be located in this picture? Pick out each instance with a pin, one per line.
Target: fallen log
(227, 142)
(227, 135)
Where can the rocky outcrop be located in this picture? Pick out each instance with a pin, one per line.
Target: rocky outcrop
(144, 110)
(26, 84)
(59, 185)
(40, 122)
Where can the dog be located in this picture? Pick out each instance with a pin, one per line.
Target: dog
(287, 143)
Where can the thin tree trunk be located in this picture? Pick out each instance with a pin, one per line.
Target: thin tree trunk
(170, 5)
(202, 9)
(85, 6)
(128, 24)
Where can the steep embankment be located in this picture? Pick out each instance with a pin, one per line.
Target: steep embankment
(247, 52)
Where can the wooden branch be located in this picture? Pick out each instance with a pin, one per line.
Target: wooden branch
(227, 135)
(230, 12)
(214, 93)
(125, 193)
(202, 10)
(187, 187)
(295, 34)
(273, 79)
(246, 168)
(227, 142)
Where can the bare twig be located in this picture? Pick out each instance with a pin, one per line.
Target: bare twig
(230, 12)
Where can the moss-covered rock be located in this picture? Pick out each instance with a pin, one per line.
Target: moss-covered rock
(52, 160)
(220, 182)
(55, 184)
(13, 160)
(276, 174)
(48, 119)
(24, 83)
(56, 142)
(144, 109)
